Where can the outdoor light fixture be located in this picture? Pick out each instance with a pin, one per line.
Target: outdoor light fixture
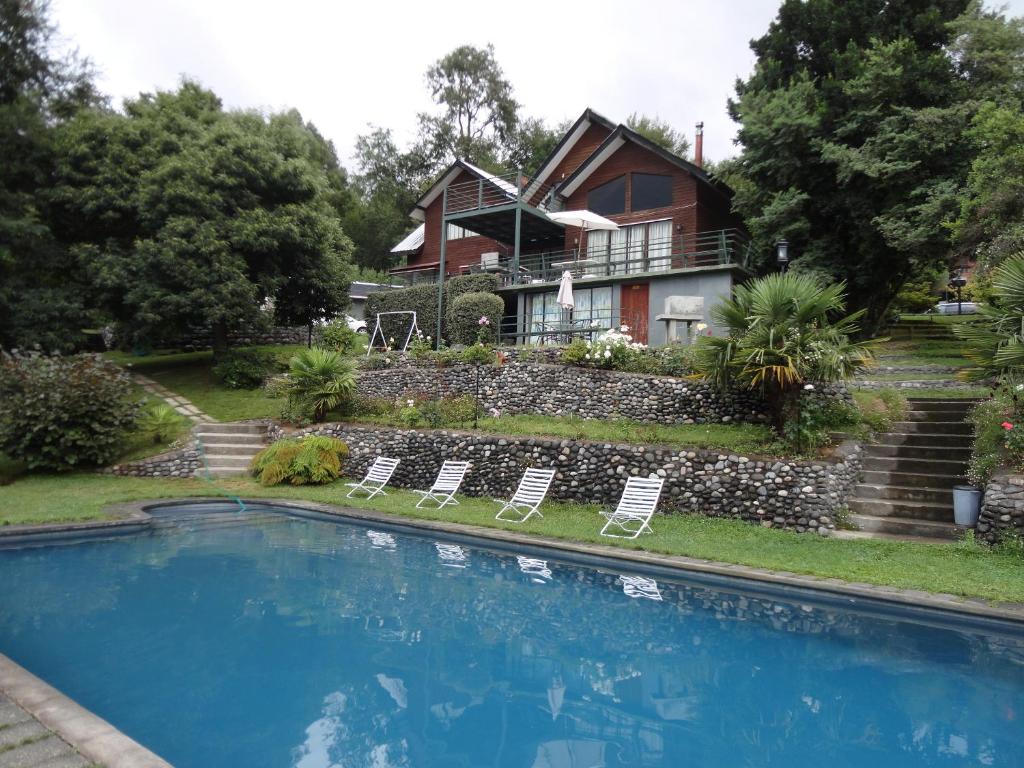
(782, 254)
(958, 281)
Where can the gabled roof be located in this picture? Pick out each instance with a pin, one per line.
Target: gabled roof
(617, 139)
(448, 177)
(565, 145)
(412, 242)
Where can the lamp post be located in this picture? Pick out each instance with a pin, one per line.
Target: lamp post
(782, 254)
(958, 281)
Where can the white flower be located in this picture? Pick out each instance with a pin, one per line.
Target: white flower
(607, 353)
(391, 340)
(587, 356)
(624, 328)
(808, 386)
(410, 403)
(1020, 387)
(701, 326)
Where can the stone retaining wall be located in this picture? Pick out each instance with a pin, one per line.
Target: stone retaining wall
(774, 493)
(561, 390)
(1002, 508)
(184, 462)
(202, 338)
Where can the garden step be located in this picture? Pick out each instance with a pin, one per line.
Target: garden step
(234, 438)
(228, 428)
(937, 415)
(844, 534)
(927, 466)
(942, 403)
(909, 510)
(905, 526)
(232, 449)
(950, 453)
(910, 479)
(904, 493)
(221, 471)
(926, 439)
(225, 461)
(934, 427)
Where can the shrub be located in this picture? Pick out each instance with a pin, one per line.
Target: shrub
(464, 318)
(479, 354)
(313, 460)
(815, 419)
(243, 368)
(338, 337)
(63, 412)
(159, 421)
(449, 412)
(422, 299)
(318, 381)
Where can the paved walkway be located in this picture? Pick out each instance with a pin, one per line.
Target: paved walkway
(27, 743)
(177, 402)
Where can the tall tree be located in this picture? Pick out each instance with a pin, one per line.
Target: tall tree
(41, 295)
(478, 112)
(660, 132)
(852, 128)
(184, 214)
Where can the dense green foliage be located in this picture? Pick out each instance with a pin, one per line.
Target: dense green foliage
(854, 134)
(245, 368)
(660, 132)
(462, 320)
(318, 381)
(60, 413)
(785, 333)
(311, 460)
(994, 342)
(159, 421)
(422, 299)
(337, 336)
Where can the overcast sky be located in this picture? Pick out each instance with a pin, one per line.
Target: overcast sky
(346, 65)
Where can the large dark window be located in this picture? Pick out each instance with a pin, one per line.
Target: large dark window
(608, 198)
(651, 190)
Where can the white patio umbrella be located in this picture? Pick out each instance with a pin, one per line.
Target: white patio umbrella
(565, 299)
(585, 220)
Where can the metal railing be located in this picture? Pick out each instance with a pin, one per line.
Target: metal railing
(569, 325)
(700, 249)
(411, 277)
(494, 191)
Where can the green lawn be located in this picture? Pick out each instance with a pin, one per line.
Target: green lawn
(952, 568)
(196, 383)
(953, 361)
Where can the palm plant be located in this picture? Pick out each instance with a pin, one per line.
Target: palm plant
(319, 380)
(994, 342)
(784, 332)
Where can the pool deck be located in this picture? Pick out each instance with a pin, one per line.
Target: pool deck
(53, 720)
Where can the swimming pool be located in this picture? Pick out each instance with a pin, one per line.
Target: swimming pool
(269, 639)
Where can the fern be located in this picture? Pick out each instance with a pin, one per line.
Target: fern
(315, 460)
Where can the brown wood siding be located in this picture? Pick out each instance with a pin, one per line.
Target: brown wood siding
(632, 158)
(584, 148)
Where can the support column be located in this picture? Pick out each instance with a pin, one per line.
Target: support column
(441, 267)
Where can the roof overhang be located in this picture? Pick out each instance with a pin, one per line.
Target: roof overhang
(564, 147)
(499, 223)
(411, 242)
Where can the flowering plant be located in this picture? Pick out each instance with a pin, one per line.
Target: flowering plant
(613, 349)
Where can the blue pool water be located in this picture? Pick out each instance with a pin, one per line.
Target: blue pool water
(264, 639)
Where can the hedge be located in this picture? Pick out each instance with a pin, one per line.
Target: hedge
(463, 317)
(422, 299)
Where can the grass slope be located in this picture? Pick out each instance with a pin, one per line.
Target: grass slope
(956, 569)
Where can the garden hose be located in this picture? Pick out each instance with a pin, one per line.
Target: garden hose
(208, 477)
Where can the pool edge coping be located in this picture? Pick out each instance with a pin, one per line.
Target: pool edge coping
(92, 736)
(971, 606)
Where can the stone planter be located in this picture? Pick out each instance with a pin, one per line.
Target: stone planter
(1002, 510)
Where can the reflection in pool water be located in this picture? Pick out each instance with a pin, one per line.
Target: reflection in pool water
(260, 639)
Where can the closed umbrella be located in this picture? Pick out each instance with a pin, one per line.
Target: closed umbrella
(565, 299)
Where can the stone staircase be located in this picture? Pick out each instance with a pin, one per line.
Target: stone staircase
(230, 447)
(908, 474)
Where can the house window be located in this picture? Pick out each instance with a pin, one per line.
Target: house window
(609, 198)
(548, 323)
(651, 190)
(643, 247)
(456, 232)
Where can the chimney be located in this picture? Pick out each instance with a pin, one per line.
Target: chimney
(698, 146)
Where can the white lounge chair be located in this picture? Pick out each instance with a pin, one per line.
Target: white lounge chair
(447, 483)
(377, 477)
(636, 507)
(528, 496)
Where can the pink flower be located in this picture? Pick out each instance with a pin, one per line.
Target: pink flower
(483, 321)
(1006, 425)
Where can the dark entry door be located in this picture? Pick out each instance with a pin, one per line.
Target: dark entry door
(634, 310)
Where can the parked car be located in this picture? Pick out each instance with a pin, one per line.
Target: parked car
(952, 308)
(359, 326)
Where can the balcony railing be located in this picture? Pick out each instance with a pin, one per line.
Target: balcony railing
(701, 249)
(494, 191)
(569, 325)
(411, 277)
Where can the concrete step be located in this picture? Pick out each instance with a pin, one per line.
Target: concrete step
(227, 461)
(905, 527)
(933, 427)
(942, 403)
(220, 471)
(229, 428)
(927, 439)
(937, 415)
(232, 438)
(904, 493)
(909, 510)
(232, 449)
(926, 466)
(947, 453)
(910, 479)
(862, 535)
